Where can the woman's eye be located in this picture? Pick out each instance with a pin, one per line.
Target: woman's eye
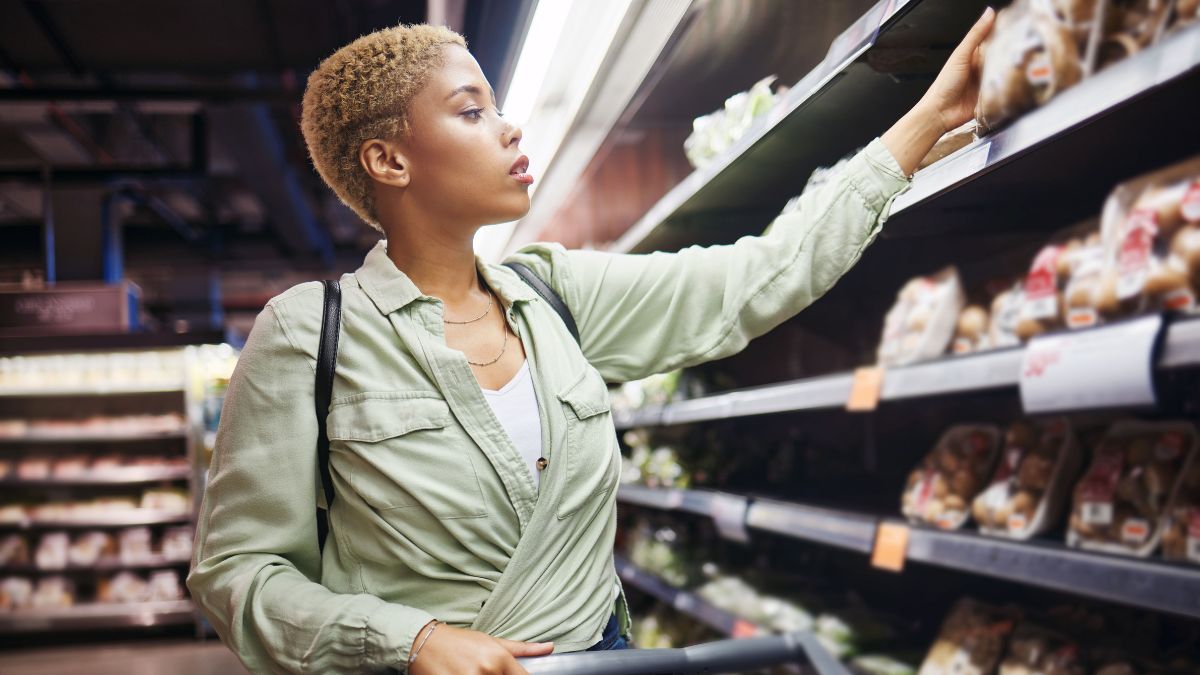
(475, 114)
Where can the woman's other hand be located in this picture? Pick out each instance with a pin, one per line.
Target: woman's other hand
(457, 650)
(949, 102)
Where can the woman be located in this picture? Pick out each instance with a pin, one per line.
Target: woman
(472, 449)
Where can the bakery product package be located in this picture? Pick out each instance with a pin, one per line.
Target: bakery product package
(1121, 502)
(922, 322)
(1032, 476)
(941, 488)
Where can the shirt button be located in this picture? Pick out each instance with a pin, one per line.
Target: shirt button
(542, 463)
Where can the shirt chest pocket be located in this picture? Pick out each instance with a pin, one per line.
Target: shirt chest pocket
(592, 455)
(403, 450)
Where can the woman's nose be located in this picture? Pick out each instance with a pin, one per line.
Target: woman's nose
(512, 135)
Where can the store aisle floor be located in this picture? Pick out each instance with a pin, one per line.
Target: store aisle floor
(176, 657)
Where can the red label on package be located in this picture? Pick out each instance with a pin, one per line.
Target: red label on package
(1082, 317)
(1135, 531)
(1099, 486)
(1169, 447)
(1041, 286)
(925, 490)
(1191, 202)
(1180, 300)
(1017, 522)
(1040, 72)
(1133, 259)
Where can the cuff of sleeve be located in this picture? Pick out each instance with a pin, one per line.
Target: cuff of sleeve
(391, 630)
(878, 176)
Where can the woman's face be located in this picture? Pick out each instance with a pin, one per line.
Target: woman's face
(460, 151)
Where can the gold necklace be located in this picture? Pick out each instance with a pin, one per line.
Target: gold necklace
(460, 323)
(503, 345)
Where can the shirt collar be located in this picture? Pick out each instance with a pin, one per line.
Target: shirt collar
(390, 289)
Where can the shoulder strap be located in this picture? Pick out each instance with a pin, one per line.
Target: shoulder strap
(543, 289)
(326, 360)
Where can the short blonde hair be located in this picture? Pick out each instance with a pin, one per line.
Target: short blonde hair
(362, 91)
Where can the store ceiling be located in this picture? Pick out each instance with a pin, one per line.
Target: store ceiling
(194, 108)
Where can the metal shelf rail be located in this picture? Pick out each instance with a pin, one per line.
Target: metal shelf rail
(694, 606)
(84, 617)
(951, 375)
(1147, 583)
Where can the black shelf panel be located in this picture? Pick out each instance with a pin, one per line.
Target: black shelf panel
(872, 75)
(1148, 583)
(26, 344)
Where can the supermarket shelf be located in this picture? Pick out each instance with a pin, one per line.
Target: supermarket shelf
(951, 375)
(874, 72)
(38, 439)
(698, 502)
(94, 390)
(118, 519)
(100, 567)
(98, 616)
(1154, 585)
(106, 341)
(1104, 129)
(122, 476)
(683, 601)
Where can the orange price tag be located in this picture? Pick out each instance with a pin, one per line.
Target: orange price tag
(864, 393)
(891, 547)
(743, 628)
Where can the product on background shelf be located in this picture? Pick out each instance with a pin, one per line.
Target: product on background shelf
(13, 513)
(135, 545)
(123, 587)
(1029, 486)
(1119, 503)
(1029, 57)
(165, 499)
(6, 468)
(164, 585)
(1086, 284)
(113, 369)
(15, 593)
(712, 134)
(663, 552)
(1006, 312)
(653, 467)
(1130, 26)
(1184, 14)
(177, 543)
(70, 466)
(1034, 650)
(971, 641)
(52, 551)
(880, 664)
(971, 332)
(33, 468)
(1151, 232)
(90, 547)
(1181, 538)
(53, 592)
(1042, 297)
(14, 550)
(940, 490)
(922, 322)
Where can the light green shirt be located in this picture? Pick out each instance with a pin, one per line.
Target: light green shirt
(436, 515)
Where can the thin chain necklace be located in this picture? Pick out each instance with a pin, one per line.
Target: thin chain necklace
(485, 313)
(503, 345)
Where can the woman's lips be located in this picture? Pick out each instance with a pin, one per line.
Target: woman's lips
(523, 178)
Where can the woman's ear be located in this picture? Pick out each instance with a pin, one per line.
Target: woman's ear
(384, 162)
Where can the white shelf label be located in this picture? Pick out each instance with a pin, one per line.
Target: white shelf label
(1107, 367)
(1178, 55)
(729, 515)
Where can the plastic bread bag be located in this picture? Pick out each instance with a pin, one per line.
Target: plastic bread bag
(922, 322)
(1034, 650)
(1130, 26)
(1181, 536)
(1029, 57)
(1119, 504)
(1042, 299)
(941, 488)
(1031, 479)
(951, 142)
(1082, 293)
(971, 331)
(1183, 14)
(971, 640)
(1006, 311)
(1151, 232)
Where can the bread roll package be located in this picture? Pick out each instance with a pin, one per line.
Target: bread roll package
(1034, 650)
(1120, 503)
(1042, 306)
(1181, 534)
(971, 332)
(1029, 486)
(971, 641)
(941, 489)
(1150, 228)
(922, 322)
(1005, 314)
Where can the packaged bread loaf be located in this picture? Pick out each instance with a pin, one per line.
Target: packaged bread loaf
(1181, 536)
(971, 640)
(921, 324)
(1030, 56)
(1034, 650)
(1081, 296)
(1119, 504)
(1029, 485)
(1005, 314)
(940, 490)
(1041, 307)
(971, 332)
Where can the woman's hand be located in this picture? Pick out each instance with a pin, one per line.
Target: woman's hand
(949, 102)
(456, 650)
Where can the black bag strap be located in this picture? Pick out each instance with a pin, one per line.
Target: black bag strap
(543, 289)
(331, 322)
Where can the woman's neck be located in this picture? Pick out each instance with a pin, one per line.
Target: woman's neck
(441, 266)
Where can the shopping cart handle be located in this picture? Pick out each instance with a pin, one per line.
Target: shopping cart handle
(721, 656)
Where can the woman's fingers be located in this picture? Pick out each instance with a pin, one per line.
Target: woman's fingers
(967, 49)
(522, 649)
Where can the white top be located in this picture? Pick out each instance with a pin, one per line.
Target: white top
(515, 405)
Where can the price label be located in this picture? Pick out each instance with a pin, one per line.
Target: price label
(1097, 513)
(865, 390)
(1106, 367)
(729, 515)
(891, 547)
(942, 174)
(743, 628)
